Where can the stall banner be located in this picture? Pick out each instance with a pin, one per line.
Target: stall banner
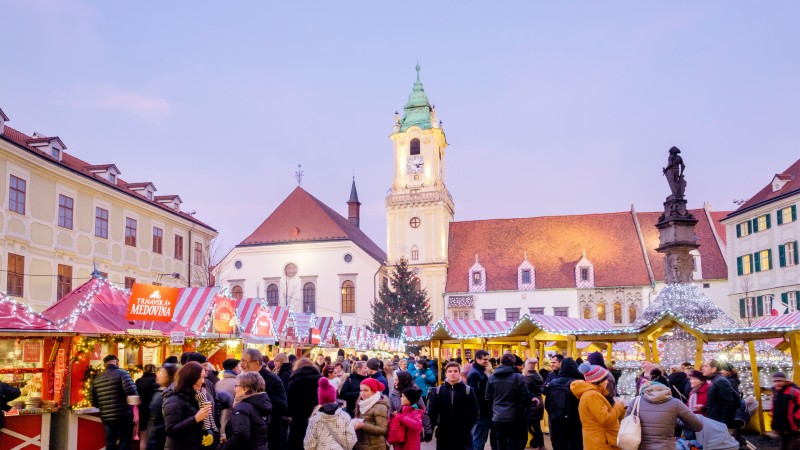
(224, 315)
(149, 302)
(32, 351)
(315, 337)
(58, 382)
(263, 325)
(177, 337)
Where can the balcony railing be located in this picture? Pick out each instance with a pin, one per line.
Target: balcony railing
(419, 197)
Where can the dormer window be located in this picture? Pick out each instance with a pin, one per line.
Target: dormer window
(149, 195)
(172, 201)
(780, 180)
(112, 177)
(55, 153)
(584, 274)
(48, 145)
(526, 276)
(146, 189)
(108, 172)
(477, 277)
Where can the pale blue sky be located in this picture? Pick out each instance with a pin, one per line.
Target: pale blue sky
(548, 108)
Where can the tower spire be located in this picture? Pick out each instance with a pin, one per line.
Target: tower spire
(418, 67)
(354, 206)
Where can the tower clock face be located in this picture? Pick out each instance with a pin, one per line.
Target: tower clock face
(415, 164)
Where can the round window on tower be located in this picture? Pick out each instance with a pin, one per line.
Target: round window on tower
(237, 264)
(415, 222)
(290, 270)
(348, 257)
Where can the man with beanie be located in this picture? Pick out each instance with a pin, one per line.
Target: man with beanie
(110, 391)
(786, 411)
(508, 395)
(562, 408)
(376, 371)
(477, 380)
(453, 410)
(230, 369)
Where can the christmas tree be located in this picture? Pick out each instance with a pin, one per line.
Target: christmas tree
(400, 302)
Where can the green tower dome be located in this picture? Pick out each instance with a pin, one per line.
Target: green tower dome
(417, 111)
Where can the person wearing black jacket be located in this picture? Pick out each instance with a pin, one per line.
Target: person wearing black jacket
(110, 391)
(156, 438)
(247, 427)
(477, 380)
(679, 383)
(283, 368)
(302, 398)
(350, 389)
(7, 393)
(146, 386)
(453, 410)
(555, 363)
(191, 419)
(722, 401)
(252, 361)
(562, 408)
(508, 394)
(534, 382)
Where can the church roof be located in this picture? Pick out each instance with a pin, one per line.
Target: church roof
(555, 244)
(790, 176)
(353, 193)
(303, 218)
(417, 111)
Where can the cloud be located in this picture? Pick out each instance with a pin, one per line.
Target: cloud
(116, 99)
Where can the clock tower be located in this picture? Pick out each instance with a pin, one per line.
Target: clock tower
(419, 208)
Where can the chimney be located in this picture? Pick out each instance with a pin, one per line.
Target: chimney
(354, 206)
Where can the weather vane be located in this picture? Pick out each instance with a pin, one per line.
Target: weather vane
(299, 174)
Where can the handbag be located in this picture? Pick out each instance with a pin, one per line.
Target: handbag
(630, 429)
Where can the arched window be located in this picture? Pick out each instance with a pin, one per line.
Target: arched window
(617, 312)
(414, 146)
(309, 298)
(631, 314)
(414, 253)
(601, 311)
(237, 292)
(272, 295)
(587, 313)
(348, 297)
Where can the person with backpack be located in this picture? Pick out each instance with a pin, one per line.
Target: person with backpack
(658, 414)
(534, 383)
(562, 408)
(330, 427)
(453, 409)
(477, 380)
(786, 411)
(599, 418)
(509, 397)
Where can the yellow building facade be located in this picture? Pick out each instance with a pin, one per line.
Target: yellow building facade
(60, 217)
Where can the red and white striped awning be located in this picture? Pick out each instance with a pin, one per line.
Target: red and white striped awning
(247, 310)
(193, 306)
(325, 325)
(417, 332)
(559, 324)
(582, 344)
(783, 320)
(476, 328)
(280, 317)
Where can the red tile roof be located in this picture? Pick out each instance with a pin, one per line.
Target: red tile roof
(554, 246)
(765, 195)
(77, 165)
(717, 217)
(302, 218)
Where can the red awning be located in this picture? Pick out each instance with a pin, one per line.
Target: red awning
(96, 307)
(15, 316)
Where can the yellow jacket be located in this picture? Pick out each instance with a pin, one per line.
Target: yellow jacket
(600, 420)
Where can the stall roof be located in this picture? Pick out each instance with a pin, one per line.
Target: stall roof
(194, 306)
(15, 316)
(247, 310)
(96, 307)
(784, 320)
(325, 325)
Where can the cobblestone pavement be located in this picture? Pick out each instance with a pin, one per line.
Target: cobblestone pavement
(764, 443)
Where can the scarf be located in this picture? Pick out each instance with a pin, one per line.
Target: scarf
(202, 396)
(366, 405)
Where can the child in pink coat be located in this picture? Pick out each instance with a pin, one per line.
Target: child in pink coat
(406, 426)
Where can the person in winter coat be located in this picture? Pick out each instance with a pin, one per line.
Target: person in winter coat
(407, 423)
(453, 410)
(189, 412)
(555, 364)
(534, 383)
(146, 386)
(247, 426)
(402, 381)
(302, 398)
(156, 438)
(659, 412)
(252, 361)
(375, 370)
(7, 394)
(350, 390)
(786, 411)
(727, 371)
(723, 401)
(477, 380)
(546, 369)
(596, 358)
(371, 416)
(424, 378)
(599, 418)
(698, 396)
(330, 427)
(230, 369)
(110, 391)
(509, 397)
(679, 383)
(283, 368)
(562, 408)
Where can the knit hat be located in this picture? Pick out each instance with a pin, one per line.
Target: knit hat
(697, 374)
(374, 385)
(326, 393)
(595, 375)
(374, 364)
(779, 376)
(596, 359)
(412, 395)
(584, 367)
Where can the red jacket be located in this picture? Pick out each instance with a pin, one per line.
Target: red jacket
(699, 397)
(405, 429)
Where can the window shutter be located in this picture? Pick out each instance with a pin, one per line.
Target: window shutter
(769, 259)
(757, 262)
(779, 213)
(785, 301)
(782, 255)
(794, 244)
(760, 305)
(769, 216)
(738, 230)
(797, 299)
(742, 308)
(794, 213)
(754, 225)
(739, 270)
(750, 228)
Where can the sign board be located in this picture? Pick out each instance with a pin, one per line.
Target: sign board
(177, 337)
(224, 315)
(149, 302)
(315, 337)
(32, 351)
(60, 369)
(263, 326)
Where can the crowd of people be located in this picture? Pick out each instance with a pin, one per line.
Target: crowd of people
(257, 403)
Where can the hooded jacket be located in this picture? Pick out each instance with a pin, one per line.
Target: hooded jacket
(722, 400)
(424, 383)
(679, 382)
(599, 419)
(110, 390)
(559, 401)
(659, 412)
(330, 428)
(302, 398)
(410, 422)
(477, 380)
(508, 395)
(277, 396)
(284, 373)
(146, 386)
(349, 391)
(534, 383)
(155, 424)
(247, 425)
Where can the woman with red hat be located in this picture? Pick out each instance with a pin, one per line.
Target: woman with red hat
(372, 416)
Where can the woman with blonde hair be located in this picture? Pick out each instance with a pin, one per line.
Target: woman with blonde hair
(247, 427)
(282, 368)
